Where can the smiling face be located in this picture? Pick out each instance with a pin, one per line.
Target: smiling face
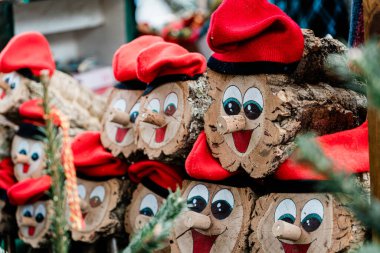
(227, 209)
(164, 119)
(13, 91)
(98, 200)
(316, 219)
(246, 107)
(118, 133)
(34, 221)
(28, 157)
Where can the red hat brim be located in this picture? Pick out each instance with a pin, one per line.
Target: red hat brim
(32, 112)
(7, 178)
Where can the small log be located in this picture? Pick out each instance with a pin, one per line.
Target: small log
(196, 220)
(230, 124)
(21, 158)
(285, 230)
(153, 118)
(7, 131)
(5, 87)
(119, 117)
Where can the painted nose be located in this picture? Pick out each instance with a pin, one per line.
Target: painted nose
(22, 158)
(119, 117)
(28, 221)
(83, 205)
(285, 230)
(3, 85)
(230, 124)
(153, 118)
(196, 220)
(141, 220)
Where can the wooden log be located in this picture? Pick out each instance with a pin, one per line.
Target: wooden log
(325, 225)
(230, 124)
(194, 220)
(285, 230)
(7, 131)
(227, 208)
(182, 105)
(153, 118)
(8, 224)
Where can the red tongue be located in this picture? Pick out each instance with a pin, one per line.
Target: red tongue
(25, 168)
(202, 243)
(295, 248)
(242, 139)
(31, 231)
(120, 134)
(160, 134)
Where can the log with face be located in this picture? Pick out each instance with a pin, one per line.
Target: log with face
(217, 220)
(118, 134)
(97, 201)
(28, 157)
(300, 223)
(34, 221)
(13, 91)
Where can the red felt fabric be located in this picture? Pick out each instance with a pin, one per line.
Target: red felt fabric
(200, 164)
(254, 31)
(125, 58)
(93, 160)
(159, 173)
(7, 178)
(32, 112)
(29, 50)
(29, 190)
(164, 58)
(348, 150)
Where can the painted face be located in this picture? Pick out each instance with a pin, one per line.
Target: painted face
(143, 207)
(243, 105)
(28, 157)
(118, 133)
(220, 218)
(12, 90)
(310, 224)
(34, 221)
(98, 199)
(160, 128)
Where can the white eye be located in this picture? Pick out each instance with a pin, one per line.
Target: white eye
(36, 152)
(171, 104)
(40, 213)
(154, 105)
(120, 105)
(198, 198)
(81, 191)
(232, 92)
(225, 195)
(286, 211)
(97, 196)
(232, 100)
(253, 103)
(134, 112)
(312, 206)
(222, 204)
(23, 147)
(27, 211)
(12, 79)
(149, 205)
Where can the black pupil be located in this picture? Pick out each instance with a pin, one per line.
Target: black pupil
(35, 156)
(252, 111)
(40, 217)
(311, 224)
(27, 214)
(221, 209)
(232, 108)
(95, 201)
(23, 152)
(170, 110)
(7, 80)
(13, 85)
(196, 204)
(147, 212)
(133, 116)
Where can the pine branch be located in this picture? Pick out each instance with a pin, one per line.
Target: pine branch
(153, 235)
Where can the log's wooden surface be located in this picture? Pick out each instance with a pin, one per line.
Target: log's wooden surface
(7, 131)
(371, 18)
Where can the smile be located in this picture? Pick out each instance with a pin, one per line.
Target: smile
(25, 167)
(2, 93)
(295, 248)
(242, 139)
(121, 132)
(160, 134)
(31, 230)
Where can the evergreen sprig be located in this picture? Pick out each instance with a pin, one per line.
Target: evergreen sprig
(154, 234)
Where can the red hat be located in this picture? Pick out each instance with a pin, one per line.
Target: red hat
(28, 50)
(158, 173)
(165, 59)
(7, 178)
(125, 58)
(29, 190)
(93, 160)
(257, 35)
(32, 112)
(348, 150)
(200, 164)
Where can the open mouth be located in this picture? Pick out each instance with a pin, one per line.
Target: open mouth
(31, 230)
(295, 248)
(120, 134)
(2, 93)
(202, 243)
(25, 167)
(160, 134)
(84, 215)
(242, 139)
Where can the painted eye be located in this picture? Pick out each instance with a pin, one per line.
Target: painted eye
(154, 105)
(40, 213)
(171, 104)
(81, 191)
(198, 198)
(27, 211)
(222, 204)
(312, 215)
(12, 80)
(286, 211)
(97, 196)
(149, 205)
(120, 105)
(134, 112)
(232, 100)
(253, 103)
(23, 147)
(36, 151)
